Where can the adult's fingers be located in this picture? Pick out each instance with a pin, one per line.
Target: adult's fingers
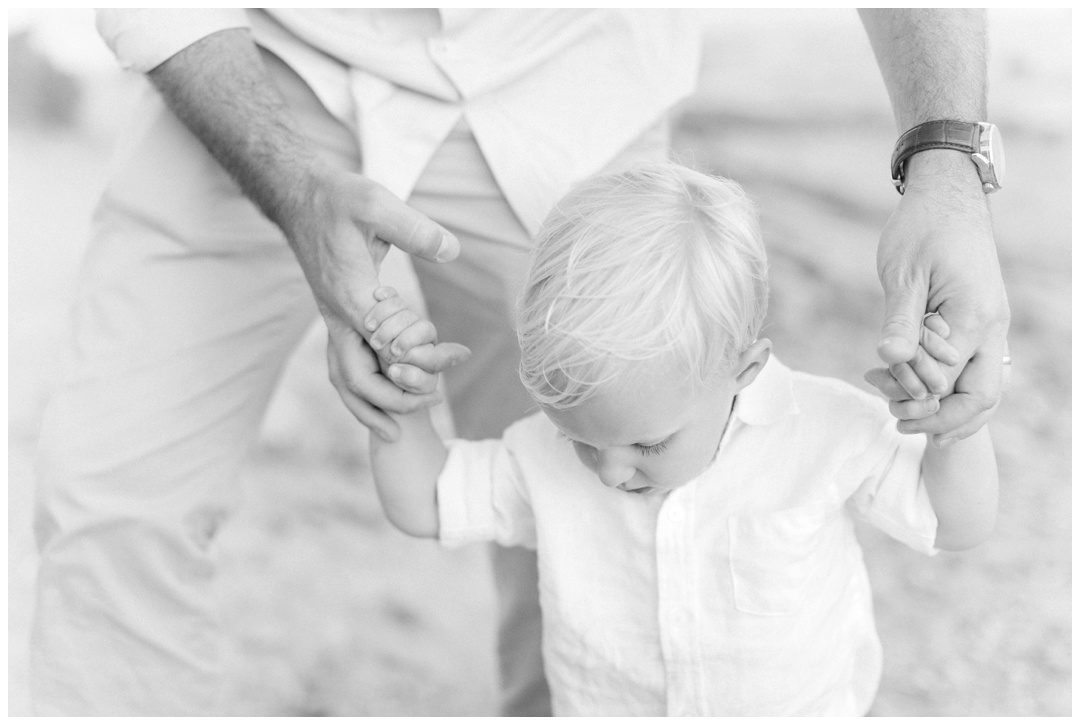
(913, 409)
(977, 393)
(412, 376)
(398, 224)
(970, 427)
(354, 371)
(377, 390)
(383, 425)
(412, 379)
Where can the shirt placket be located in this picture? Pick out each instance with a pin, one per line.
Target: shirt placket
(677, 595)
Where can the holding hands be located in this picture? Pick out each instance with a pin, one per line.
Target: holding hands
(341, 232)
(937, 253)
(405, 341)
(914, 388)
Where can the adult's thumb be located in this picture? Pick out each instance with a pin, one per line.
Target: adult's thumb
(410, 231)
(899, 340)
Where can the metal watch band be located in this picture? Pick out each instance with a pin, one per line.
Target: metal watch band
(946, 134)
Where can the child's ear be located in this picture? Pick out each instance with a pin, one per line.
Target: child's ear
(751, 362)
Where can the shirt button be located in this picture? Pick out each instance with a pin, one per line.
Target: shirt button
(674, 515)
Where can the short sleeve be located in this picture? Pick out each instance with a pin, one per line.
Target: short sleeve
(892, 495)
(143, 39)
(482, 496)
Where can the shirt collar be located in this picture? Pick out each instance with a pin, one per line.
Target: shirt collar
(769, 398)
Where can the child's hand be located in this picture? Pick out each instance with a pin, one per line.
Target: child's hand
(402, 338)
(915, 388)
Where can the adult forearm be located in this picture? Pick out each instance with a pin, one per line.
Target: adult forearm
(340, 224)
(220, 89)
(933, 62)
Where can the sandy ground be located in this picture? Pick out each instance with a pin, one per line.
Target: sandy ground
(328, 610)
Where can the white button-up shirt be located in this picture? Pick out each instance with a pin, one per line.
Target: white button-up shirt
(741, 593)
(551, 95)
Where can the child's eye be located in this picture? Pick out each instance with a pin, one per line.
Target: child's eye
(653, 449)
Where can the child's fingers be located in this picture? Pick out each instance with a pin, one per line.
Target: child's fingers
(883, 380)
(937, 324)
(383, 309)
(937, 348)
(913, 409)
(391, 327)
(929, 372)
(909, 380)
(421, 332)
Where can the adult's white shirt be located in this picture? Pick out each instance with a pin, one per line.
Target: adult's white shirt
(551, 95)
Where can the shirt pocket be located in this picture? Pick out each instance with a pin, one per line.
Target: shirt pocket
(774, 555)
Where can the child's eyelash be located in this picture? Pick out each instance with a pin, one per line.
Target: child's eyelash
(654, 449)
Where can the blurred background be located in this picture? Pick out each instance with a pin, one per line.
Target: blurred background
(330, 611)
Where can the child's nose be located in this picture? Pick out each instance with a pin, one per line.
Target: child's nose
(613, 468)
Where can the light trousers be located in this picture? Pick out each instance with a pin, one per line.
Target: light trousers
(187, 307)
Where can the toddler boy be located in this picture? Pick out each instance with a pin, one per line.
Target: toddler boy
(691, 499)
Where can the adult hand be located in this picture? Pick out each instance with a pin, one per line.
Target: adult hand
(937, 254)
(341, 227)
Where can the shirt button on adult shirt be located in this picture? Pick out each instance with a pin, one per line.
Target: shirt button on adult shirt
(674, 515)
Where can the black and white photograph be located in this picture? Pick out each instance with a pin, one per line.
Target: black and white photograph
(517, 362)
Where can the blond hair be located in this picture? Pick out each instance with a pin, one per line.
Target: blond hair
(652, 262)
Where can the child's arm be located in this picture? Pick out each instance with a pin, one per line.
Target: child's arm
(406, 471)
(962, 480)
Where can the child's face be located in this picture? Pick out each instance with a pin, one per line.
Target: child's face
(649, 433)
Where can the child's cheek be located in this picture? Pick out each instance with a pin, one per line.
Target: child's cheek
(586, 454)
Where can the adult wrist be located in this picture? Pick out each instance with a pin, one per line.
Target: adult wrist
(301, 194)
(979, 141)
(943, 170)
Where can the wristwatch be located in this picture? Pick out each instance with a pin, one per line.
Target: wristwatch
(981, 140)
